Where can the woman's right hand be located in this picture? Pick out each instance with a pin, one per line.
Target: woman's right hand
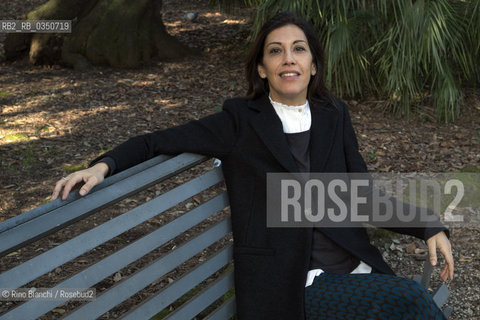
(90, 177)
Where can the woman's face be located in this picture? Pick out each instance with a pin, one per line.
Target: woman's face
(287, 65)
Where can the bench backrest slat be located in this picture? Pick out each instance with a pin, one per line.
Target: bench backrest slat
(57, 256)
(225, 311)
(47, 223)
(181, 286)
(205, 298)
(127, 288)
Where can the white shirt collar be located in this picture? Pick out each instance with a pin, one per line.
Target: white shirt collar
(294, 119)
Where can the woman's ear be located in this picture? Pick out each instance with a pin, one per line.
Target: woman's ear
(314, 69)
(261, 71)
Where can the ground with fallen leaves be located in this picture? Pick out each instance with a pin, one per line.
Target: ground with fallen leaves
(54, 120)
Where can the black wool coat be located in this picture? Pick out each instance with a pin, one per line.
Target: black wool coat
(247, 135)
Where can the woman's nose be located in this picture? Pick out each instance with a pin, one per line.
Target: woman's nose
(288, 58)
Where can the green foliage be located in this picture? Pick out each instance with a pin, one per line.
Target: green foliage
(411, 53)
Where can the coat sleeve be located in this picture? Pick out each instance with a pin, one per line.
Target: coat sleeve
(214, 135)
(355, 163)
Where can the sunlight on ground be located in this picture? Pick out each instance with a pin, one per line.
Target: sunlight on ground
(34, 126)
(212, 14)
(232, 21)
(167, 103)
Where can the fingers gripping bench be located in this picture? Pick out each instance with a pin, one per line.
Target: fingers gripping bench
(181, 279)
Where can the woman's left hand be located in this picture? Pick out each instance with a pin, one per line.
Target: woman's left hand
(441, 242)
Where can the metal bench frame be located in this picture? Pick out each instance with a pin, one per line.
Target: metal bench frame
(26, 228)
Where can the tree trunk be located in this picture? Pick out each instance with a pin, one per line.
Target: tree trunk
(119, 33)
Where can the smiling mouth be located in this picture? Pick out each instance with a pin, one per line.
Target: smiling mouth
(289, 74)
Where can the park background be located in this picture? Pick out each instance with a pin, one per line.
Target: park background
(55, 118)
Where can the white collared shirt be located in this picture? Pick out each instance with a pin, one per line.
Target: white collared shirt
(294, 119)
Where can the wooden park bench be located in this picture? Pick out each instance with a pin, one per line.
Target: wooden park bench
(182, 279)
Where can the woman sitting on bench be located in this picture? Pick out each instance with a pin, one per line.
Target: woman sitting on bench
(289, 122)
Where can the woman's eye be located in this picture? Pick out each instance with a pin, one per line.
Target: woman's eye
(274, 51)
(300, 48)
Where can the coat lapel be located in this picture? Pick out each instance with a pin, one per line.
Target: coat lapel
(322, 134)
(270, 130)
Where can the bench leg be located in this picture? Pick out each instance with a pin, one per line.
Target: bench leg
(440, 295)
